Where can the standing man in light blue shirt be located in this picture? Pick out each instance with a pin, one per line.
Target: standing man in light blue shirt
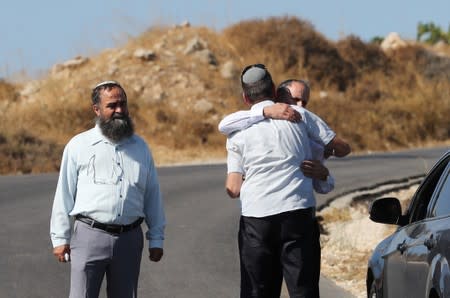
(108, 183)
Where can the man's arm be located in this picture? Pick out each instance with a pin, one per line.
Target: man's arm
(321, 133)
(233, 184)
(63, 203)
(238, 121)
(154, 214)
(282, 111)
(323, 182)
(337, 147)
(235, 168)
(324, 186)
(242, 119)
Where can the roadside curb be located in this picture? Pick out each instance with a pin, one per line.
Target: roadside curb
(371, 192)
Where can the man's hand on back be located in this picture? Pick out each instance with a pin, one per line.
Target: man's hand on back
(282, 111)
(314, 169)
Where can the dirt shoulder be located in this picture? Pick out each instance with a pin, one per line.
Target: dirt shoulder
(348, 239)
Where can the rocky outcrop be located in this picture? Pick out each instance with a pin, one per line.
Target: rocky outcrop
(144, 54)
(393, 41)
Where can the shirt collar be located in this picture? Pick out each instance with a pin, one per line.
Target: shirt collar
(262, 104)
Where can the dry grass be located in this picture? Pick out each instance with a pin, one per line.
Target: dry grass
(7, 92)
(336, 215)
(291, 48)
(24, 153)
(349, 240)
(375, 100)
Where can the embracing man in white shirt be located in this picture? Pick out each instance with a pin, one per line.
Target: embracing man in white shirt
(277, 202)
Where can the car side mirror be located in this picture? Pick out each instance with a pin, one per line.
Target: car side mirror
(385, 210)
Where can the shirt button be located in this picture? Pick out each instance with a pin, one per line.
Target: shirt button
(120, 195)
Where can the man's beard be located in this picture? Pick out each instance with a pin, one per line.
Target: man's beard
(116, 128)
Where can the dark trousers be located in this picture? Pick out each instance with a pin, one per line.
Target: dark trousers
(316, 257)
(274, 247)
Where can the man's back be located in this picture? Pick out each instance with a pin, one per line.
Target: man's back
(272, 151)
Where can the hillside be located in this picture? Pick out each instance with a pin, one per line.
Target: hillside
(182, 80)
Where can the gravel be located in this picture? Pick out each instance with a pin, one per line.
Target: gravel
(349, 238)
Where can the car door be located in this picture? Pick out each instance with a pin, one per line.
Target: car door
(406, 258)
(422, 252)
(416, 257)
(395, 266)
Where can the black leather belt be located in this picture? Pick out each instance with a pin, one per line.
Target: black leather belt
(110, 228)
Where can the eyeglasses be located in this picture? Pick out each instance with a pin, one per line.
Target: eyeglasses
(258, 65)
(284, 95)
(292, 100)
(297, 99)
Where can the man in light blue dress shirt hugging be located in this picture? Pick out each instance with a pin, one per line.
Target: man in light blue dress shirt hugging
(108, 183)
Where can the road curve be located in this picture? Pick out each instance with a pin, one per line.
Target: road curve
(200, 249)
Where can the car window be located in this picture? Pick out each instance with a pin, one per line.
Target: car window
(419, 205)
(442, 206)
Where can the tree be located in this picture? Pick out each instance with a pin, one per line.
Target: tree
(377, 40)
(431, 33)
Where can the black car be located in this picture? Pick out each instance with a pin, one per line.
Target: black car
(414, 260)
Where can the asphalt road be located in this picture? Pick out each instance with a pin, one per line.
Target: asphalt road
(200, 248)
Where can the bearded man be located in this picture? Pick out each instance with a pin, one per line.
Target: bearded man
(109, 185)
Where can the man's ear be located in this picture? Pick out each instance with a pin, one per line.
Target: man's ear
(96, 110)
(246, 100)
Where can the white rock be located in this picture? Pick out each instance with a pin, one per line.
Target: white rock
(229, 70)
(69, 64)
(323, 94)
(30, 88)
(194, 45)
(393, 41)
(145, 55)
(203, 106)
(206, 56)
